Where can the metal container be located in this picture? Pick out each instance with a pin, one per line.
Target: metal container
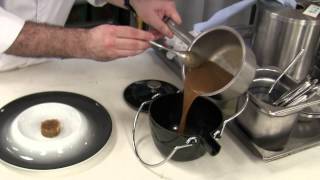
(309, 122)
(281, 32)
(310, 114)
(269, 131)
(201, 135)
(224, 46)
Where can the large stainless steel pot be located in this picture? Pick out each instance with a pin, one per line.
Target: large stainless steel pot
(224, 46)
(267, 125)
(281, 32)
(266, 130)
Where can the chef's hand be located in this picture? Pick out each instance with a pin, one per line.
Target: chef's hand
(107, 42)
(153, 11)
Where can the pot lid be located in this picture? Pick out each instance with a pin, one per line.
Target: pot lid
(289, 14)
(141, 91)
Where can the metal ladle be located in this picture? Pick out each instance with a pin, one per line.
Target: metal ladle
(297, 57)
(188, 58)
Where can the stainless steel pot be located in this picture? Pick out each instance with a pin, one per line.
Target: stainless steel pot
(281, 32)
(224, 46)
(269, 126)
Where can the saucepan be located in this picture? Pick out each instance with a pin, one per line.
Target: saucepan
(204, 128)
(222, 45)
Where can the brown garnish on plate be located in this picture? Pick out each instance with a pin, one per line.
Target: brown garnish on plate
(50, 128)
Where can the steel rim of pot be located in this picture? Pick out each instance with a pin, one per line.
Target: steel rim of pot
(308, 21)
(310, 116)
(216, 135)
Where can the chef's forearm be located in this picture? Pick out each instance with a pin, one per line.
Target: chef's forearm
(40, 40)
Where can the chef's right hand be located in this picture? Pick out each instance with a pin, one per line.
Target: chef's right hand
(107, 42)
(153, 11)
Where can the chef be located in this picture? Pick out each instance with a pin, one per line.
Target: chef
(34, 28)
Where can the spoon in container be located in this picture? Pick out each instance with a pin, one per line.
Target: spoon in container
(297, 57)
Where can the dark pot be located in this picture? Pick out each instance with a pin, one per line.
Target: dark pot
(204, 127)
(203, 118)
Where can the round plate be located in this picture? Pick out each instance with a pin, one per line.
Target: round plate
(82, 120)
(138, 92)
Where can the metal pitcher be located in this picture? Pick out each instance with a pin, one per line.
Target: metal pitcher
(281, 32)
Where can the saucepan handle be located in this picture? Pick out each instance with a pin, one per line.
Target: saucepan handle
(211, 145)
(218, 133)
(181, 33)
(189, 142)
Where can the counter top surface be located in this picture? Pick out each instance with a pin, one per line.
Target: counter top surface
(105, 82)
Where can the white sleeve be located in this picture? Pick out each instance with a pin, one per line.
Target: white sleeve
(11, 26)
(97, 3)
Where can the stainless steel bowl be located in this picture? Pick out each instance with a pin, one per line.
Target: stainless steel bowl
(267, 130)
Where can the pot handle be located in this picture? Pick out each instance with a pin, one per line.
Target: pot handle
(189, 142)
(181, 33)
(218, 133)
(211, 145)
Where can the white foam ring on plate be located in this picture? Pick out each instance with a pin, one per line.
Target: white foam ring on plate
(26, 138)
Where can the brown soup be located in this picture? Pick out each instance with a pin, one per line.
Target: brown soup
(206, 78)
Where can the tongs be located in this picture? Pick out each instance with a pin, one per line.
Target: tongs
(284, 111)
(304, 91)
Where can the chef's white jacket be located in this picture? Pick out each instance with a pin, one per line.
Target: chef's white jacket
(14, 13)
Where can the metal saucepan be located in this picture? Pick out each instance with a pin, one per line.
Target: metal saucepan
(223, 46)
